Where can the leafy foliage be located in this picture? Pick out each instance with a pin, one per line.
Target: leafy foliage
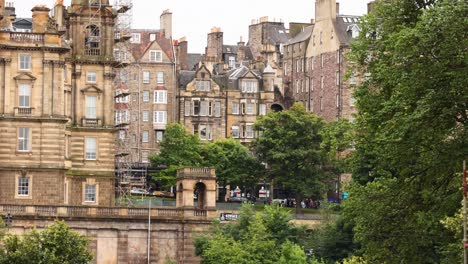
(411, 129)
(233, 162)
(256, 238)
(56, 244)
(290, 144)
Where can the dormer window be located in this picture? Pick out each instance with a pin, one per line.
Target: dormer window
(249, 86)
(202, 86)
(155, 56)
(136, 38)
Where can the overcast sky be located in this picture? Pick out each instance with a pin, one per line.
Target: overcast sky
(194, 19)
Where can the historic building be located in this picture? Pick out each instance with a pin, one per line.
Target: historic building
(56, 106)
(316, 66)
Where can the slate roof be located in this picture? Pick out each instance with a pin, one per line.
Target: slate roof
(139, 49)
(230, 49)
(343, 23)
(303, 36)
(22, 23)
(185, 77)
(276, 33)
(193, 59)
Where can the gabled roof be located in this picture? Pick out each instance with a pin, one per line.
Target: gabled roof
(185, 77)
(91, 88)
(25, 76)
(140, 49)
(241, 72)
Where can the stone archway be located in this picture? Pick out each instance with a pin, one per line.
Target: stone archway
(276, 107)
(200, 192)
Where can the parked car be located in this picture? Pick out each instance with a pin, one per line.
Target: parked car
(139, 191)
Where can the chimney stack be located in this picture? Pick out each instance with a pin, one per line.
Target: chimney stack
(58, 14)
(166, 23)
(40, 17)
(337, 8)
(183, 54)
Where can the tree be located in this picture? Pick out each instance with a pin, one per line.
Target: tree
(256, 238)
(56, 244)
(289, 143)
(411, 128)
(233, 162)
(178, 149)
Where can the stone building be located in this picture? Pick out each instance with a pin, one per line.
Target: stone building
(56, 106)
(316, 65)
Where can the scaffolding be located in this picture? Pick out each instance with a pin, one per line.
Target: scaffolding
(127, 177)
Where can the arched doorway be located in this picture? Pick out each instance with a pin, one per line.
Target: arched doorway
(200, 193)
(277, 107)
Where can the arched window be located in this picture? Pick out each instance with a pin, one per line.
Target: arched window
(92, 39)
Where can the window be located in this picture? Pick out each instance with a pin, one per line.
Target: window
(196, 107)
(23, 186)
(235, 131)
(202, 86)
(152, 37)
(312, 85)
(235, 108)
(91, 77)
(24, 95)
(25, 62)
(122, 134)
(297, 65)
(145, 116)
(155, 56)
(232, 62)
(297, 86)
(160, 97)
(91, 105)
(203, 132)
(145, 137)
(160, 77)
(91, 148)
(249, 86)
(195, 129)
(250, 108)
(160, 117)
(136, 38)
(321, 82)
(146, 96)
(217, 109)
(144, 156)
(23, 139)
(321, 60)
(203, 108)
(249, 132)
(159, 135)
(262, 109)
(352, 78)
(90, 193)
(210, 108)
(187, 108)
(146, 77)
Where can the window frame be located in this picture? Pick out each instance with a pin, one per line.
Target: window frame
(146, 77)
(87, 194)
(160, 77)
(24, 139)
(146, 96)
(22, 64)
(91, 153)
(237, 134)
(91, 77)
(145, 136)
(155, 56)
(25, 96)
(90, 110)
(160, 97)
(157, 119)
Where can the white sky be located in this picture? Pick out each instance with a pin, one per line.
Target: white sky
(194, 19)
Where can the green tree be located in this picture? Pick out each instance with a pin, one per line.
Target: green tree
(233, 162)
(290, 144)
(178, 149)
(266, 237)
(411, 128)
(56, 244)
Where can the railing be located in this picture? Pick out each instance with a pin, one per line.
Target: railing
(92, 52)
(209, 172)
(23, 111)
(97, 212)
(27, 37)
